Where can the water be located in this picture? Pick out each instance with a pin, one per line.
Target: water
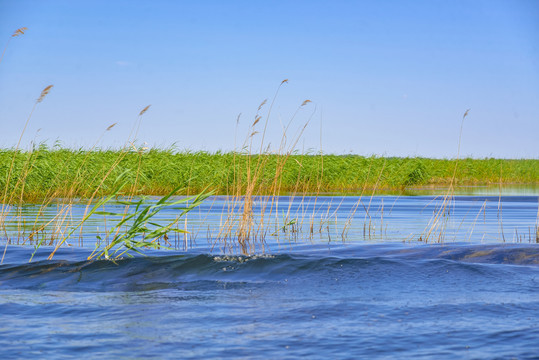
(472, 292)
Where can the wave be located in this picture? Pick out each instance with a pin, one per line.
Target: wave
(365, 262)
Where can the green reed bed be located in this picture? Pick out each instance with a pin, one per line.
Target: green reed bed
(59, 172)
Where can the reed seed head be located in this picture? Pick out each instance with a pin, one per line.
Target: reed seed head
(306, 102)
(44, 93)
(284, 81)
(19, 31)
(257, 119)
(262, 104)
(111, 126)
(144, 110)
(465, 114)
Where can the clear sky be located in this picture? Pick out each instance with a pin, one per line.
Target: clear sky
(384, 77)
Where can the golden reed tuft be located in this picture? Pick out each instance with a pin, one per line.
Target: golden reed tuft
(257, 119)
(262, 104)
(44, 93)
(19, 31)
(144, 110)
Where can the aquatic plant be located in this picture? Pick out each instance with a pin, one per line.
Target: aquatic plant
(252, 176)
(137, 230)
(253, 180)
(141, 232)
(439, 220)
(61, 170)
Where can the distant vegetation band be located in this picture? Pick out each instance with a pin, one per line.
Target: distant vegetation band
(64, 172)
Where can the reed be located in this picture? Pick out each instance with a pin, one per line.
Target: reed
(161, 170)
(253, 180)
(16, 33)
(252, 177)
(249, 219)
(439, 221)
(141, 233)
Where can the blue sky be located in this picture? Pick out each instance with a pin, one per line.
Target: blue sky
(385, 77)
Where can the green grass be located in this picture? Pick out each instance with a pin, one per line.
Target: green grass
(59, 172)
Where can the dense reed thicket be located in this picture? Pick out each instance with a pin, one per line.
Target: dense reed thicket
(45, 172)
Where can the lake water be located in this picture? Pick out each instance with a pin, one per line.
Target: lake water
(327, 277)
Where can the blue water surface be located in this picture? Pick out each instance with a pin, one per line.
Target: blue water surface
(360, 298)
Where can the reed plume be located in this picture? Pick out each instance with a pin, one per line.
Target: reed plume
(19, 31)
(144, 110)
(44, 93)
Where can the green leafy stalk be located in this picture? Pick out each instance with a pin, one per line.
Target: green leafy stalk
(141, 231)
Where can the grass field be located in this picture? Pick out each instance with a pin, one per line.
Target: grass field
(60, 172)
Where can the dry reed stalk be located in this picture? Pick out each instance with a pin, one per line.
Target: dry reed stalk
(74, 187)
(500, 205)
(319, 179)
(367, 213)
(348, 222)
(44, 93)
(70, 191)
(122, 155)
(284, 152)
(18, 32)
(21, 182)
(248, 231)
(245, 226)
(77, 183)
(5, 199)
(443, 210)
(483, 208)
